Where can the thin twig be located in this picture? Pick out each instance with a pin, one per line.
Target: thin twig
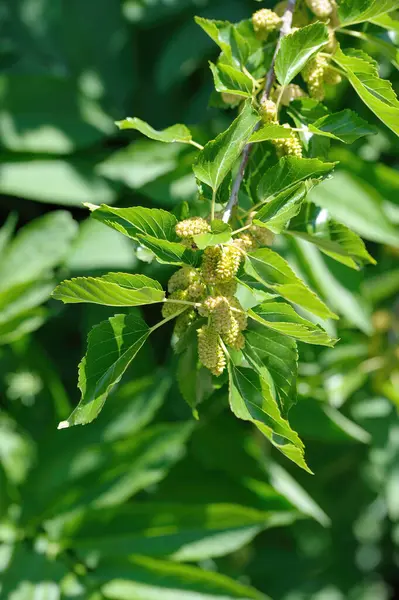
(285, 28)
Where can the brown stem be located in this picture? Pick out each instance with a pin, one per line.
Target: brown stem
(285, 28)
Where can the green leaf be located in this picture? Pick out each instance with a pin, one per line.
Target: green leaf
(283, 318)
(195, 382)
(112, 345)
(220, 234)
(137, 220)
(114, 289)
(171, 253)
(144, 578)
(37, 248)
(356, 204)
(218, 156)
(277, 354)
(345, 126)
(270, 269)
(23, 297)
(231, 80)
(181, 532)
(375, 92)
(270, 132)
(288, 171)
(297, 49)
(276, 214)
(176, 133)
(315, 225)
(218, 31)
(357, 11)
(251, 400)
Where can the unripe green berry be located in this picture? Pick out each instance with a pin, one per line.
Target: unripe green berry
(182, 279)
(210, 351)
(170, 308)
(183, 322)
(219, 311)
(321, 8)
(265, 21)
(331, 77)
(299, 18)
(226, 289)
(196, 291)
(263, 236)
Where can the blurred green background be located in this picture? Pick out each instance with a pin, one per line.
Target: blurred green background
(147, 503)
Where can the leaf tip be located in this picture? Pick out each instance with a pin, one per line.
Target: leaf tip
(63, 425)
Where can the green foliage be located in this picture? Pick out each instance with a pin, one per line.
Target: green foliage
(256, 331)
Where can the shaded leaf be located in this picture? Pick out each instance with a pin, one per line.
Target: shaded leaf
(282, 317)
(175, 133)
(297, 49)
(251, 400)
(218, 156)
(114, 289)
(111, 347)
(274, 272)
(278, 354)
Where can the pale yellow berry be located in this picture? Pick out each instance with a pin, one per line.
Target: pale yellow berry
(210, 351)
(234, 337)
(268, 111)
(239, 313)
(196, 291)
(313, 74)
(228, 263)
(246, 242)
(183, 322)
(321, 8)
(219, 311)
(288, 146)
(209, 264)
(265, 21)
(290, 92)
(173, 308)
(193, 226)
